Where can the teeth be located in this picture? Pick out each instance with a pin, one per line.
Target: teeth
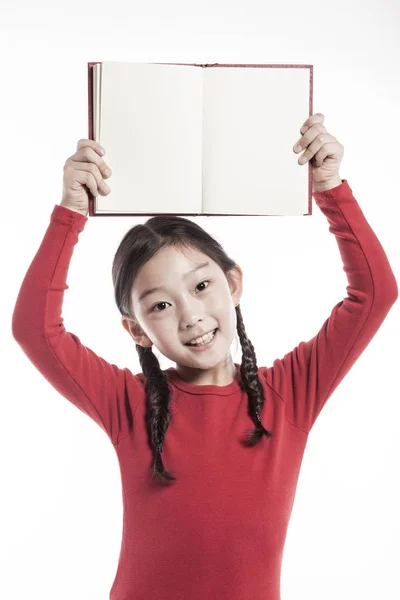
(203, 339)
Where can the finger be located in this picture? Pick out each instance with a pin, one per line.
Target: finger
(330, 149)
(308, 137)
(89, 180)
(316, 118)
(321, 155)
(90, 168)
(88, 154)
(82, 173)
(321, 141)
(91, 144)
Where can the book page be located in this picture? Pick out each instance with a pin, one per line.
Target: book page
(251, 120)
(151, 128)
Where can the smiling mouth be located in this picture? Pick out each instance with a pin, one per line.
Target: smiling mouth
(213, 331)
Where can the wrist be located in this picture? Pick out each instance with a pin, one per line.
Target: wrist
(81, 212)
(327, 185)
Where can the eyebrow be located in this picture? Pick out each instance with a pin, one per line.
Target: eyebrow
(188, 274)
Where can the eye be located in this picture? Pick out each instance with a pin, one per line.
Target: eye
(159, 303)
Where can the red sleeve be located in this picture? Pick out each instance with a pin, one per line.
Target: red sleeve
(99, 389)
(308, 375)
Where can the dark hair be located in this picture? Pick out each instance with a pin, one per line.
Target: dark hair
(138, 246)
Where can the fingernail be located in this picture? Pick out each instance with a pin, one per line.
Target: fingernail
(101, 150)
(297, 148)
(303, 129)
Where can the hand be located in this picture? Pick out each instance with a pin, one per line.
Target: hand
(83, 172)
(323, 151)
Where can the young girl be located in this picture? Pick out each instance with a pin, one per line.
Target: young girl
(215, 529)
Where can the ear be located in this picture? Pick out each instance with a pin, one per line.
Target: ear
(137, 333)
(235, 279)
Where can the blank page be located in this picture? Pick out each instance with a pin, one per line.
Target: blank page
(151, 128)
(251, 120)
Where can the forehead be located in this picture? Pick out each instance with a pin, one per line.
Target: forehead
(172, 260)
(168, 267)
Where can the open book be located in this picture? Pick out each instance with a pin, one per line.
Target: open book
(189, 139)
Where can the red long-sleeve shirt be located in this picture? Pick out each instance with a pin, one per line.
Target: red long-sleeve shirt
(219, 531)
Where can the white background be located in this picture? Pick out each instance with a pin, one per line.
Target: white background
(61, 505)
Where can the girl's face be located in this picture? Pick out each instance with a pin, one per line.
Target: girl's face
(188, 304)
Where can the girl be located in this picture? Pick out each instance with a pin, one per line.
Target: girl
(216, 527)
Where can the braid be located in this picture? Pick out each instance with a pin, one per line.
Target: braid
(159, 395)
(251, 384)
